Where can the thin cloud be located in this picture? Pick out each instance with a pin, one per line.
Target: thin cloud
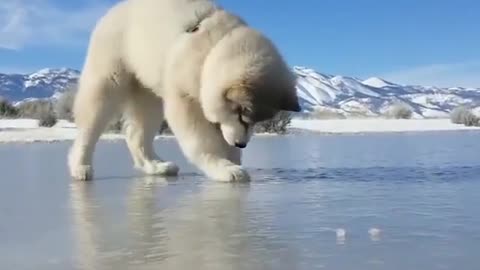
(33, 22)
(441, 75)
(21, 69)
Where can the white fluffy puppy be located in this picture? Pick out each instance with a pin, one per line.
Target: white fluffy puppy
(203, 68)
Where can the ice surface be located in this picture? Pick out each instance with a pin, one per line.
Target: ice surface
(419, 190)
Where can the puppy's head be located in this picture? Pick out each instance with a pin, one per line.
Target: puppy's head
(246, 105)
(245, 81)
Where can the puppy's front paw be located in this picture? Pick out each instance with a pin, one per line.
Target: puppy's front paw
(231, 173)
(160, 168)
(81, 172)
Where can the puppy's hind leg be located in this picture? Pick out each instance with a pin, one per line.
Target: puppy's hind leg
(201, 141)
(97, 100)
(143, 118)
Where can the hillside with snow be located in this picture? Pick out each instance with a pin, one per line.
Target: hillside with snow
(372, 97)
(340, 95)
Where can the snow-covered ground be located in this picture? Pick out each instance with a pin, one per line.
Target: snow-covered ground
(377, 125)
(27, 130)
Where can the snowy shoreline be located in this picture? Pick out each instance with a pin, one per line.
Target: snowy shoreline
(27, 130)
(377, 125)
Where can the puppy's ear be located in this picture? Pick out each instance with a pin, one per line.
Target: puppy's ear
(290, 103)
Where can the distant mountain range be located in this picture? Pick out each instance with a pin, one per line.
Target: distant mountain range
(44, 83)
(338, 94)
(373, 96)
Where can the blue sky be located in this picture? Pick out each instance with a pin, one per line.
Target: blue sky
(409, 41)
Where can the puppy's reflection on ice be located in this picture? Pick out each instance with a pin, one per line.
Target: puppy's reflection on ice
(145, 221)
(160, 224)
(120, 234)
(209, 230)
(84, 225)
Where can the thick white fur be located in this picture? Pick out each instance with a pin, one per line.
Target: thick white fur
(141, 62)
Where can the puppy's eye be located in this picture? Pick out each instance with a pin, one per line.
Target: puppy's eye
(246, 112)
(193, 28)
(244, 119)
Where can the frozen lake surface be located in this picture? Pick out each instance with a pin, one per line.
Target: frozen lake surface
(378, 201)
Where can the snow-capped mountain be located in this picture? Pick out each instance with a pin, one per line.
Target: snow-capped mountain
(372, 97)
(338, 94)
(41, 84)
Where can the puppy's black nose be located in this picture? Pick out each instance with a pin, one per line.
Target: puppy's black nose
(240, 145)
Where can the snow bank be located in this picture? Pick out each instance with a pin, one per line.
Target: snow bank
(27, 130)
(377, 125)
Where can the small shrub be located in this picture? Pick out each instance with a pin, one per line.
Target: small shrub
(47, 120)
(35, 109)
(322, 114)
(464, 116)
(64, 104)
(278, 124)
(400, 111)
(7, 109)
